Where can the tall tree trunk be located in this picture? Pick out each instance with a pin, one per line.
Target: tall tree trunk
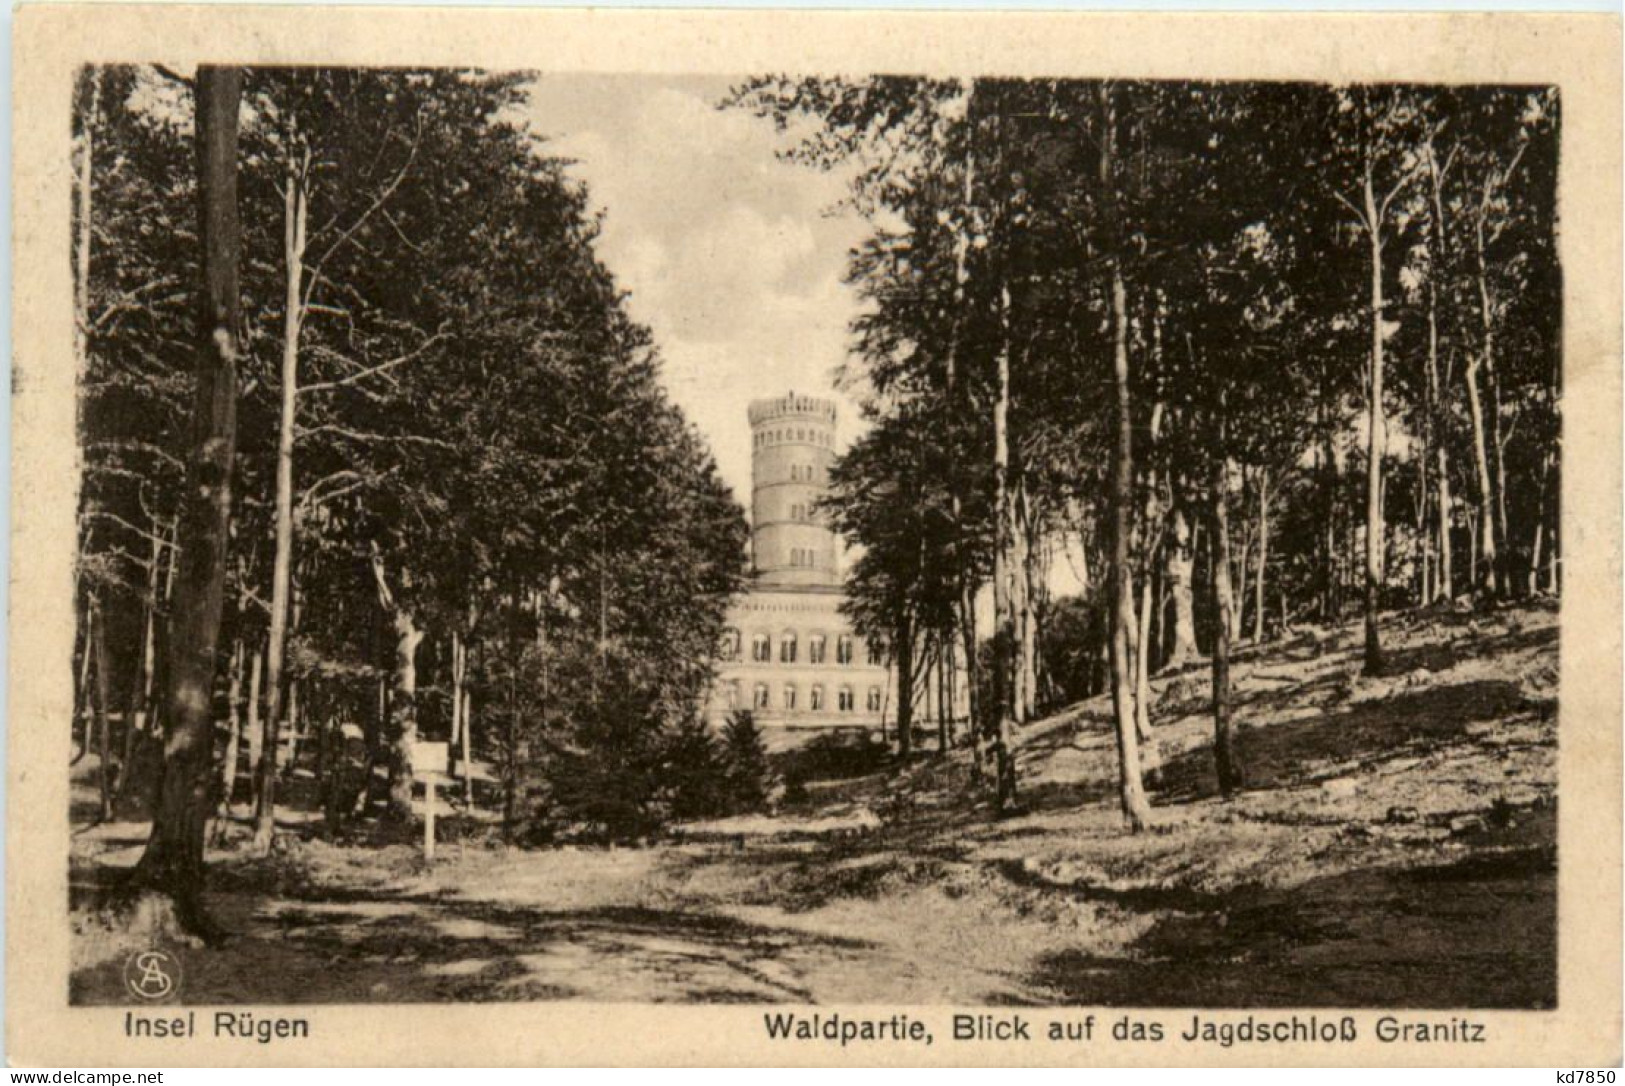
(1031, 576)
(293, 262)
(1224, 755)
(403, 712)
(104, 734)
(1179, 571)
(460, 724)
(1444, 582)
(905, 684)
(1003, 735)
(1473, 518)
(234, 727)
(135, 719)
(974, 711)
(1484, 559)
(84, 185)
(173, 860)
(510, 766)
(1131, 789)
(1263, 554)
(1498, 465)
(1018, 605)
(1223, 587)
(1540, 525)
(84, 708)
(1242, 568)
(966, 602)
(468, 741)
(1332, 484)
(256, 730)
(1150, 517)
(1376, 442)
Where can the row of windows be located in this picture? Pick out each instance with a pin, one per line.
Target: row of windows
(801, 511)
(789, 697)
(802, 473)
(761, 648)
(793, 433)
(803, 557)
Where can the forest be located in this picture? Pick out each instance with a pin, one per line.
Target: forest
(1266, 354)
(372, 450)
(416, 475)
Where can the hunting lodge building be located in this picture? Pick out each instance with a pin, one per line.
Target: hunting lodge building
(788, 654)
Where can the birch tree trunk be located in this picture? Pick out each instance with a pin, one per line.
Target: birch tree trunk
(1003, 723)
(1444, 582)
(1376, 440)
(293, 261)
(1136, 808)
(1484, 559)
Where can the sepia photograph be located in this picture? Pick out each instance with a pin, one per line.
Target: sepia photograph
(816, 539)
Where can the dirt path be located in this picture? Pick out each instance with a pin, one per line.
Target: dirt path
(1396, 847)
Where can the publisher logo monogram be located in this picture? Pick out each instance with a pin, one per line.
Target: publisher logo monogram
(152, 974)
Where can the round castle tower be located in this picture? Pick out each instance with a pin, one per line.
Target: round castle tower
(792, 448)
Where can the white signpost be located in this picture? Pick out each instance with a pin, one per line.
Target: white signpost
(429, 762)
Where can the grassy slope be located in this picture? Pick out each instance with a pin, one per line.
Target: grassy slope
(1395, 847)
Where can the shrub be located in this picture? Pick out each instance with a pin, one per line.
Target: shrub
(744, 763)
(696, 772)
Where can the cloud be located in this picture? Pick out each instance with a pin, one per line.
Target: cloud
(729, 253)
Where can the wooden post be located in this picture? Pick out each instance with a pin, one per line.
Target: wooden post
(428, 817)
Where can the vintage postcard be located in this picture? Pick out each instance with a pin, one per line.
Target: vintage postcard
(814, 538)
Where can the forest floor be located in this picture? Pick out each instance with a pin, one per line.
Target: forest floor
(1395, 846)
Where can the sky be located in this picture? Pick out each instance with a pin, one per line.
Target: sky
(734, 258)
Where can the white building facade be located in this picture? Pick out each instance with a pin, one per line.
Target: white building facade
(788, 654)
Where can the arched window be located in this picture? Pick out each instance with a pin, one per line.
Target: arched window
(787, 647)
(874, 699)
(815, 699)
(728, 649)
(815, 649)
(731, 694)
(845, 703)
(761, 648)
(843, 649)
(761, 696)
(789, 695)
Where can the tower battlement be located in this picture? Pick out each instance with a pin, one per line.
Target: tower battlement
(792, 406)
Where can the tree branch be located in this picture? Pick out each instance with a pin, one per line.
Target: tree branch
(382, 367)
